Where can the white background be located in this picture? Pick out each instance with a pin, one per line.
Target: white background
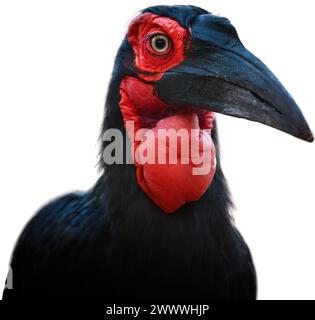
(56, 59)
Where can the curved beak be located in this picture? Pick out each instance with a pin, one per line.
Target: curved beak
(221, 75)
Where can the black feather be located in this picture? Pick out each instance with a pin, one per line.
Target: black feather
(114, 242)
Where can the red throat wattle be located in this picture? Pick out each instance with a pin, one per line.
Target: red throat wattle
(169, 185)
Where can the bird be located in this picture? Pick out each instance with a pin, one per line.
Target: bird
(149, 231)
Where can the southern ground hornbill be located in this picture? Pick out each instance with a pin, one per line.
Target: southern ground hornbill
(156, 230)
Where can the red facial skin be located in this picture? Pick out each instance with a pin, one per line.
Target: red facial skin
(168, 185)
(148, 60)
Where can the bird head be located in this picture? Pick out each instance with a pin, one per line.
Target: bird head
(177, 67)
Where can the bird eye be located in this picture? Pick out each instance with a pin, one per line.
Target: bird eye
(160, 43)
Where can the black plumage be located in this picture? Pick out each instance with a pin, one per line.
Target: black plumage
(114, 242)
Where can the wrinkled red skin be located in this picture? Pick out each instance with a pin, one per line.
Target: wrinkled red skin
(148, 60)
(168, 185)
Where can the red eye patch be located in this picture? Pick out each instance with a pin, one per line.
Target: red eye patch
(146, 60)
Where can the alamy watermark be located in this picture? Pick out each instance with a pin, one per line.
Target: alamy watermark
(160, 146)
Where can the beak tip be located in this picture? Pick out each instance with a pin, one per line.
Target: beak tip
(308, 136)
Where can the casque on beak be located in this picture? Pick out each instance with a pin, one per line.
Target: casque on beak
(221, 75)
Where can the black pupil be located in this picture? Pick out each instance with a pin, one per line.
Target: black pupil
(160, 43)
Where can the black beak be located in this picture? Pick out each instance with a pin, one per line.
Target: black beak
(221, 75)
